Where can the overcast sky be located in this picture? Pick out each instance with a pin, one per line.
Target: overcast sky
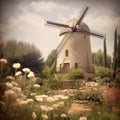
(24, 20)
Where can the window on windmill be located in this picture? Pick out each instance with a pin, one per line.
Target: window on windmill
(66, 52)
(76, 65)
(84, 35)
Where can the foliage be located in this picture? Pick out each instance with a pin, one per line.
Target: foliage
(98, 58)
(115, 50)
(117, 78)
(105, 52)
(118, 53)
(15, 49)
(116, 57)
(32, 61)
(47, 72)
(103, 72)
(1, 49)
(51, 59)
(26, 54)
(75, 74)
(54, 83)
(105, 111)
(93, 95)
(38, 107)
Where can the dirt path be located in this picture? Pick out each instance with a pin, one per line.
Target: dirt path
(113, 94)
(82, 106)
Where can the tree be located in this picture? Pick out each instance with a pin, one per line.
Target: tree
(51, 59)
(105, 52)
(98, 58)
(32, 60)
(118, 53)
(50, 65)
(1, 49)
(115, 50)
(26, 54)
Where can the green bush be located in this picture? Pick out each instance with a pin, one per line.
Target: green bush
(54, 83)
(75, 74)
(103, 75)
(117, 77)
(93, 95)
(103, 72)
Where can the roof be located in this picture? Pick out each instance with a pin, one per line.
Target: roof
(72, 23)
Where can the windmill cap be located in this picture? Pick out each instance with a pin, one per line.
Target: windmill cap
(72, 23)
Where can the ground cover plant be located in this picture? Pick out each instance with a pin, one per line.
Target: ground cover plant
(25, 96)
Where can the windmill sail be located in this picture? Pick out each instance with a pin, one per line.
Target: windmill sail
(63, 42)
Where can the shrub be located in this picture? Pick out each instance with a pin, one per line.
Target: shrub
(93, 95)
(53, 83)
(103, 72)
(103, 75)
(117, 79)
(75, 74)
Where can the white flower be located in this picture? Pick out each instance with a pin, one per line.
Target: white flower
(49, 108)
(16, 89)
(61, 104)
(39, 99)
(9, 93)
(42, 107)
(63, 115)
(43, 96)
(55, 106)
(22, 102)
(83, 118)
(31, 74)
(32, 94)
(56, 99)
(50, 99)
(64, 97)
(26, 70)
(45, 117)
(10, 78)
(14, 83)
(4, 61)
(34, 116)
(36, 86)
(46, 108)
(18, 73)
(8, 85)
(16, 65)
(29, 100)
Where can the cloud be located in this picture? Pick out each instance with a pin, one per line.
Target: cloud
(28, 22)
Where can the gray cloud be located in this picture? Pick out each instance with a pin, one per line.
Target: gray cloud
(23, 19)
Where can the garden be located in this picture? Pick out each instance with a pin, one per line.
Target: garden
(26, 96)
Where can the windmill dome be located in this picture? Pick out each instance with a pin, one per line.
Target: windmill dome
(72, 23)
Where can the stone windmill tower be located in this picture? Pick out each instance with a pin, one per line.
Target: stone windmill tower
(74, 51)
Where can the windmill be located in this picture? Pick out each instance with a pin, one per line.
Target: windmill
(74, 51)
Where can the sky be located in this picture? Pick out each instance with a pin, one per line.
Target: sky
(24, 20)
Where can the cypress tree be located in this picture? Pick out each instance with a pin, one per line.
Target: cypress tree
(115, 50)
(118, 53)
(105, 52)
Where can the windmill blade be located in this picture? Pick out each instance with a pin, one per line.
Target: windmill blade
(91, 33)
(63, 42)
(82, 15)
(58, 24)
